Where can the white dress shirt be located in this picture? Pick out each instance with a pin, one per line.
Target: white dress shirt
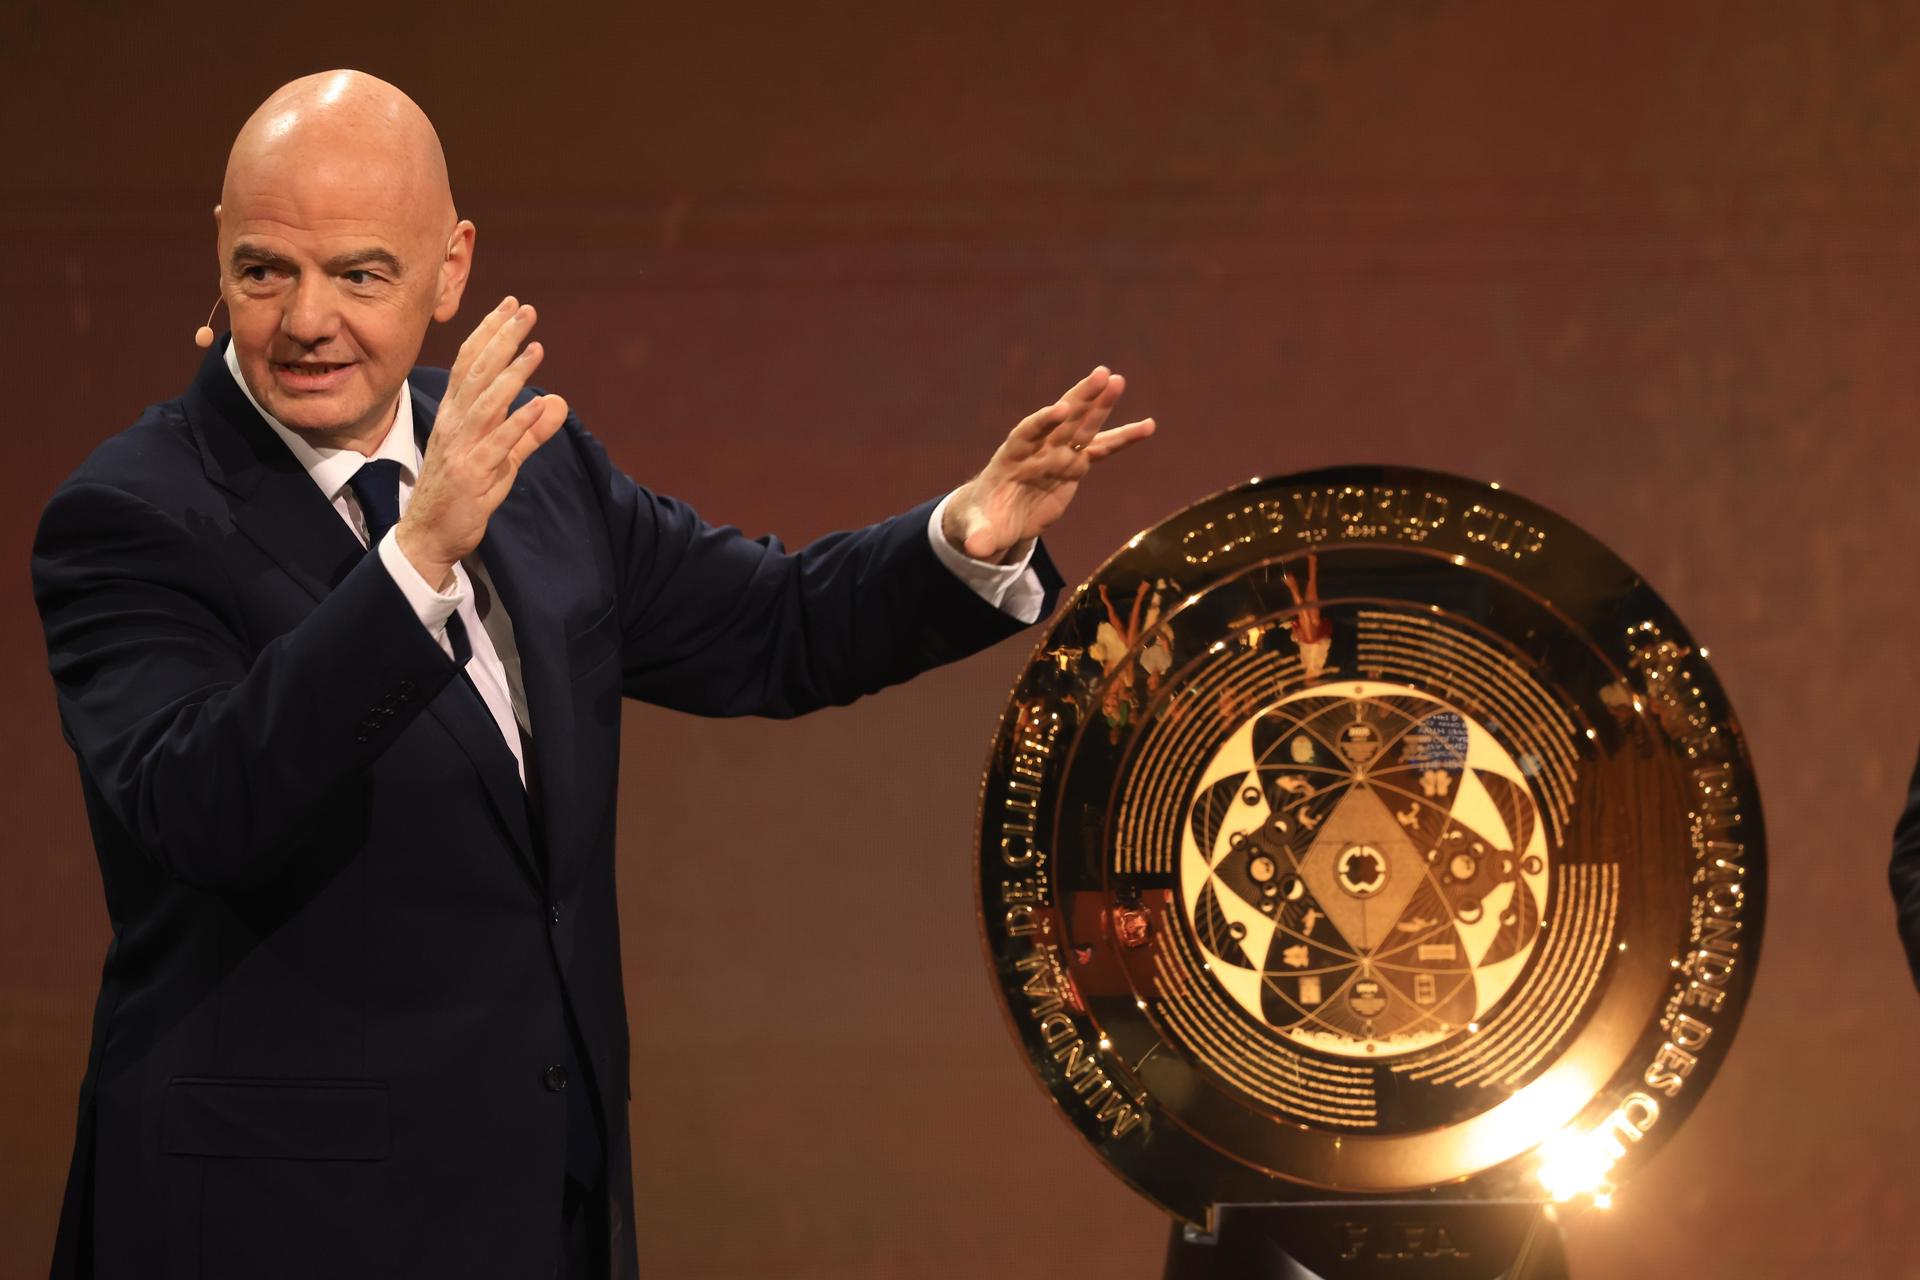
(494, 667)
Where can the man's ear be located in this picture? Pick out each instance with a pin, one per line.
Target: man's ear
(454, 270)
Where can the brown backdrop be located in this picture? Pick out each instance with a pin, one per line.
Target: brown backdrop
(1653, 265)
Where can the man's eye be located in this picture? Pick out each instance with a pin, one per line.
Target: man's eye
(258, 275)
(358, 277)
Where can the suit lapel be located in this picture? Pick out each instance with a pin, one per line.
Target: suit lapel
(506, 551)
(465, 717)
(279, 508)
(281, 511)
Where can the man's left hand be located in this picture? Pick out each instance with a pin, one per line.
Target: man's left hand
(1036, 472)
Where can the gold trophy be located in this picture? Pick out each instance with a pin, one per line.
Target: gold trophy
(1370, 861)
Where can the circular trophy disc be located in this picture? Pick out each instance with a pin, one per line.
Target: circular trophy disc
(1369, 831)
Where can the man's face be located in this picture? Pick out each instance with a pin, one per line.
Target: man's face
(331, 275)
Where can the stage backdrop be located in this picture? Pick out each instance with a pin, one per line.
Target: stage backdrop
(1653, 265)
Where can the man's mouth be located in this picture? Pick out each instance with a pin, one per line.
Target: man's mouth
(310, 375)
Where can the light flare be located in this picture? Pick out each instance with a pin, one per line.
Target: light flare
(1576, 1165)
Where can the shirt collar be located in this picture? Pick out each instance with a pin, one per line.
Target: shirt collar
(328, 468)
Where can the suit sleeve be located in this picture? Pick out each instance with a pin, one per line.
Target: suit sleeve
(213, 756)
(1903, 875)
(716, 623)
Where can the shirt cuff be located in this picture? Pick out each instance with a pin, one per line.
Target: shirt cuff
(1013, 588)
(433, 608)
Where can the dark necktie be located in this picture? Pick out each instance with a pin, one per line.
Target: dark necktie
(377, 485)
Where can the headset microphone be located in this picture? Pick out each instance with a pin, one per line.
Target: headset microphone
(203, 336)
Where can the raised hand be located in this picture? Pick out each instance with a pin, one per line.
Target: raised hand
(477, 446)
(1034, 474)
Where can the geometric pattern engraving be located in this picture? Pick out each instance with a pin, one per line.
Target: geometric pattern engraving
(1501, 693)
(1579, 938)
(1214, 1032)
(1147, 833)
(1364, 869)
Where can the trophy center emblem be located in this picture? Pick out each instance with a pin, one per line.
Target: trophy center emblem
(1364, 869)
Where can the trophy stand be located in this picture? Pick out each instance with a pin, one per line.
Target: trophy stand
(1361, 1240)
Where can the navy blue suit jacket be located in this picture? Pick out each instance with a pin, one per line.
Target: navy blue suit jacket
(344, 945)
(1903, 875)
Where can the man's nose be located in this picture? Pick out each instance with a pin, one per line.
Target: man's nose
(310, 316)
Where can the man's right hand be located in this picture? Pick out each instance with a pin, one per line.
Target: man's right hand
(477, 446)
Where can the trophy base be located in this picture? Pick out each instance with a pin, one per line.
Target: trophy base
(1417, 1240)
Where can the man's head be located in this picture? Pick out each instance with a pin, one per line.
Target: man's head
(338, 244)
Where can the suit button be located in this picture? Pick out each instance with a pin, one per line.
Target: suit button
(554, 1077)
(553, 913)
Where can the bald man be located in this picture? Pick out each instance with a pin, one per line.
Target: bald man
(339, 644)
